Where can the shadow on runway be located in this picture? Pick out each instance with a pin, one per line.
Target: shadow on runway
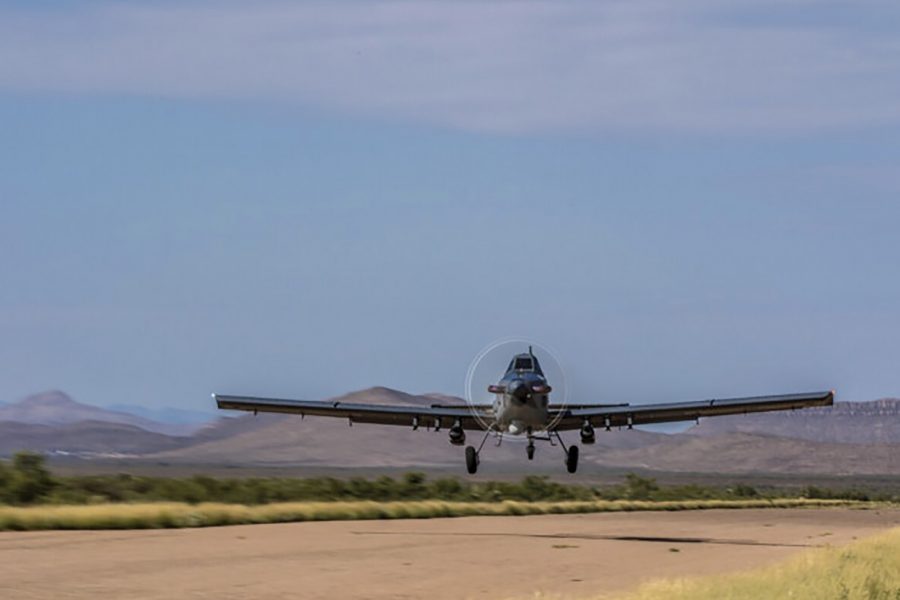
(587, 536)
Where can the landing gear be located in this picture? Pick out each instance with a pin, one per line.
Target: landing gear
(572, 459)
(473, 456)
(529, 449)
(571, 454)
(471, 460)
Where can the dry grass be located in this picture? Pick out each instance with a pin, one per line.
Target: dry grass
(169, 515)
(865, 570)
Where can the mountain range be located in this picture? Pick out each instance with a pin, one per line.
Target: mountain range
(57, 408)
(848, 438)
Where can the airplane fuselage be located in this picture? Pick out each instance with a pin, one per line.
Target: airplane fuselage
(522, 397)
(517, 412)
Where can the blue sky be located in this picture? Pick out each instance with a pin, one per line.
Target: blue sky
(301, 199)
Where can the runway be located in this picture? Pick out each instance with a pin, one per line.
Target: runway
(473, 557)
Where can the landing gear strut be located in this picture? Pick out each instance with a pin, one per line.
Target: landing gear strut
(529, 449)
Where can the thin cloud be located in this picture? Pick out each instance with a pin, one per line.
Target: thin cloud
(516, 67)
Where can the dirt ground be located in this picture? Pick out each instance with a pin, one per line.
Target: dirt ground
(475, 557)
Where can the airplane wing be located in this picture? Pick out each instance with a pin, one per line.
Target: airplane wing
(572, 417)
(408, 416)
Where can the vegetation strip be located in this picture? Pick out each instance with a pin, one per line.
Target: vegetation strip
(173, 515)
(865, 570)
(25, 480)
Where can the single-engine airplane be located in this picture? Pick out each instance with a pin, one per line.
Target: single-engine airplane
(522, 407)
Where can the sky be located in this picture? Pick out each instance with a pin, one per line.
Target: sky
(681, 200)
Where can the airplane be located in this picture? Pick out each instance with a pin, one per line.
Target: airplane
(522, 406)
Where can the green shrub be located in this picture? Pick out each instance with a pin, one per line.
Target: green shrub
(640, 488)
(744, 491)
(30, 481)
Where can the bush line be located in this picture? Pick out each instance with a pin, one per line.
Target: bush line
(26, 481)
(175, 515)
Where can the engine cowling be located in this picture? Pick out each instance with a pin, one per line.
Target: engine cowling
(519, 390)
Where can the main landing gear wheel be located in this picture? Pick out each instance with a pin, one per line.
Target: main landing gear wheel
(471, 460)
(529, 449)
(572, 459)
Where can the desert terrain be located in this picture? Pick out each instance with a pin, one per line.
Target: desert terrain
(476, 557)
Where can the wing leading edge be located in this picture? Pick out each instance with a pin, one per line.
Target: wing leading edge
(574, 417)
(565, 418)
(409, 416)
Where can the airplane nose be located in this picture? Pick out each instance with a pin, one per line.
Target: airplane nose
(519, 390)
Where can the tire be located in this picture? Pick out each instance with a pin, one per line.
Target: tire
(530, 451)
(471, 460)
(572, 459)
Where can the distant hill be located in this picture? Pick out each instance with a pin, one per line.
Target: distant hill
(167, 414)
(875, 422)
(748, 453)
(85, 438)
(57, 408)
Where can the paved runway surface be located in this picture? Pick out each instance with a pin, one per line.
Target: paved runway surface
(476, 557)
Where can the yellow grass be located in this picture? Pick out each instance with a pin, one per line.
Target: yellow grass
(865, 570)
(171, 514)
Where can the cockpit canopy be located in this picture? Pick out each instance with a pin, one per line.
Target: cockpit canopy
(525, 362)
